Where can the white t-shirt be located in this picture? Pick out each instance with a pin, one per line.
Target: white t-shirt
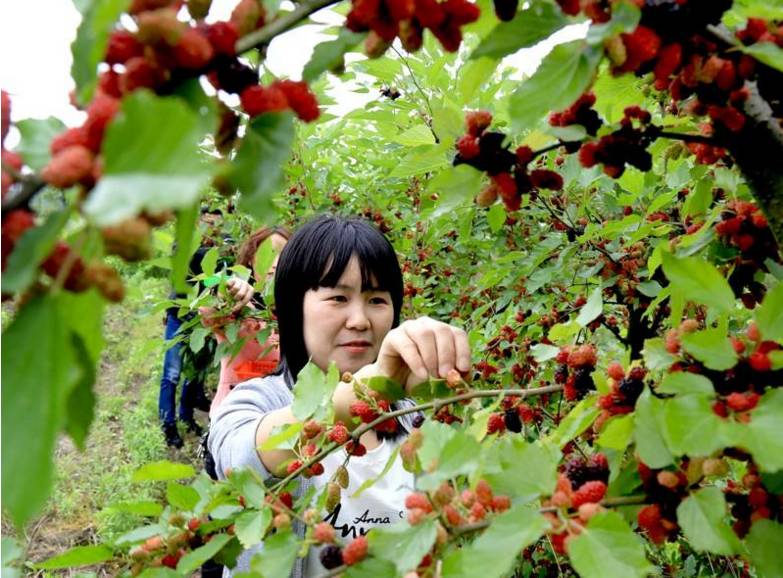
(381, 504)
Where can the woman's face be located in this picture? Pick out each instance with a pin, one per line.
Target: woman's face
(278, 242)
(344, 324)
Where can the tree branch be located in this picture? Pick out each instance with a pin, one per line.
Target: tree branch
(282, 24)
(437, 403)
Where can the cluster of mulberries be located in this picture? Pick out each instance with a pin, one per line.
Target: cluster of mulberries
(665, 490)
(625, 146)
(514, 414)
(625, 389)
(407, 19)
(744, 227)
(577, 364)
(508, 171)
(751, 501)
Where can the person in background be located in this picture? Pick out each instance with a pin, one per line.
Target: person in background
(192, 395)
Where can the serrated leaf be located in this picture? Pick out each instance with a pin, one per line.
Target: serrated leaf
(655, 355)
(284, 438)
(30, 251)
(313, 392)
(764, 541)
(423, 159)
(278, 556)
(684, 382)
(702, 518)
(608, 548)
(650, 444)
(387, 388)
(458, 456)
(141, 508)
(698, 281)
(402, 544)
(690, 427)
(522, 470)
(592, 309)
(194, 559)
(250, 526)
(769, 316)
(767, 52)
(181, 497)
(151, 160)
(37, 356)
(712, 347)
(138, 534)
(493, 553)
(617, 433)
(543, 352)
(581, 417)
(763, 435)
(35, 137)
(77, 556)
(258, 167)
(455, 187)
(330, 54)
(527, 28)
(89, 47)
(562, 77)
(417, 135)
(162, 471)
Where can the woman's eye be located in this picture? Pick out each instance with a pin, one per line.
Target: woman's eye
(338, 298)
(378, 301)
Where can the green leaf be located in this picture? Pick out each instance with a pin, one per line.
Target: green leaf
(496, 217)
(402, 544)
(625, 17)
(80, 403)
(371, 567)
(473, 75)
(712, 347)
(387, 388)
(313, 392)
(562, 77)
(684, 382)
(699, 281)
(594, 306)
(769, 317)
(287, 433)
(197, 338)
(78, 556)
(423, 159)
(162, 471)
(492, 554)
(209, 261)
(527, 28)
(455, 187)
(151, 160)
(181, 497)
(193, 560)
(30, 251)
(89, 47)
(436, 435)
(186, 232)
(763, 435)
(617, 433)
(650, 444)
(250, 526)
(699, 200)
(258, 167)
(331, 54)
(264, 257)
(417, 135)
(767, 53)
(35, 137)
(458, 456)
(522, 470)
(577, 421)
(543, 352)
(140, 508)
(691, 427)
(608, 548)
(161, 572)
(655, 355)
(138, 534)
(277, 557)
(764, 542)
(702, 518)
(38, 357)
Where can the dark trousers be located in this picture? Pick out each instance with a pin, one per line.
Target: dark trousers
(172, 368)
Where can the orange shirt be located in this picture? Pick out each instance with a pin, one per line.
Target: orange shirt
(248, 363)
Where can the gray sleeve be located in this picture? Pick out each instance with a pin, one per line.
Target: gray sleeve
(232, 432)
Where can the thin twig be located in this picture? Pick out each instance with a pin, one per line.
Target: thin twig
(282, 24)
(421, 90)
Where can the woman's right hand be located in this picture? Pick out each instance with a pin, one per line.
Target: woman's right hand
(421, 349)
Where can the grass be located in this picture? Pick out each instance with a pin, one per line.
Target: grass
(125, 435)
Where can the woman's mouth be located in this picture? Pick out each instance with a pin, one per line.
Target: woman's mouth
(356, 346)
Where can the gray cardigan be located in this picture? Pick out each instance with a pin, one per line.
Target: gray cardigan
(232, 441)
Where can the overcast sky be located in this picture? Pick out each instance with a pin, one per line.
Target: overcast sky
(35, 38)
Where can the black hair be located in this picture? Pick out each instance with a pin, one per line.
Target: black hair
(316, 256)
